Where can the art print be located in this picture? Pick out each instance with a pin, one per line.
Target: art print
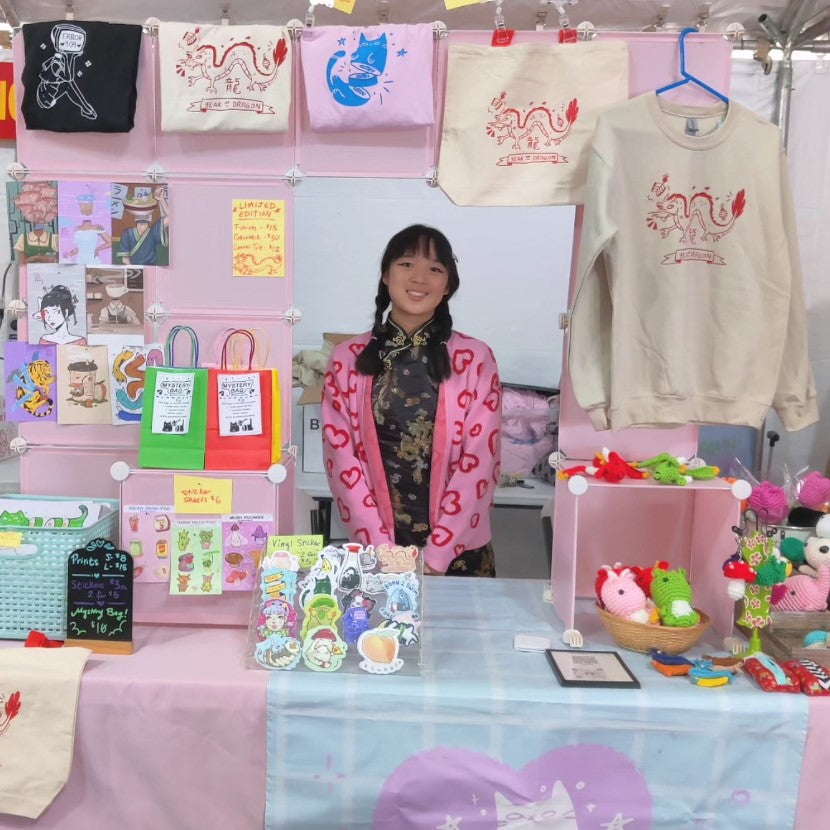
(33, 220)
(83, 385)
(85, 222)
(196, 566)
(31, 377)
(146, 535)
(57, 305)
(115, 303)
(140, 224)
(128, 363)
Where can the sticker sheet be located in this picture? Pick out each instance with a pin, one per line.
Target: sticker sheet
(146, 536)
(244, 538)
(355, 609)
(196, 565)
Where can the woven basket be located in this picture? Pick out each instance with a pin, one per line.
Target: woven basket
(641, 637)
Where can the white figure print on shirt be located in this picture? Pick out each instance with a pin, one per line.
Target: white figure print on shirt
(699, 218)
(59, 73)
(556, 812)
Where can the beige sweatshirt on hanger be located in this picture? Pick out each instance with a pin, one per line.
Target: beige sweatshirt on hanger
(689, 305)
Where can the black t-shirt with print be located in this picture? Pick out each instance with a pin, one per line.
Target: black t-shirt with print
(80, 76)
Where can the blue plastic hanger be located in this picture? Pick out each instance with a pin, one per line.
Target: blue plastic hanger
(687, 77)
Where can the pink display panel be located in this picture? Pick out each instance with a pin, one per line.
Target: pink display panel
(252, 493)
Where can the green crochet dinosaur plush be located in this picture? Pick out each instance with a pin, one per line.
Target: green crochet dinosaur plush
(672, 595)
(667, 469)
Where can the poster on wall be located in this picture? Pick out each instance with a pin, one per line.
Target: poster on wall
(115, 303)
(30, 382)
(258, 230)
(224, 78)
(33, 220)
(140, 224)
(128, 363)
(83, 385)
(85, 222)
(57, 304)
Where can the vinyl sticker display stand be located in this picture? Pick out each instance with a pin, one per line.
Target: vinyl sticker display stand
(204, 173)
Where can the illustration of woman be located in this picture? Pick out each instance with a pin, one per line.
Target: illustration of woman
(276, 616)
(56, 307)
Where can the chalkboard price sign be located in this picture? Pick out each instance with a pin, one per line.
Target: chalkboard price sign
(99, 598)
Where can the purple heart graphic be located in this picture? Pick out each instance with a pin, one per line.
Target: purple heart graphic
(583, 787)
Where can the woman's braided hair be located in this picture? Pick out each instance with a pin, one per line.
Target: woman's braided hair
(430, 242)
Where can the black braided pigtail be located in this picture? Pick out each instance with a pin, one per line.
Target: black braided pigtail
(438, 356)
(368, 361)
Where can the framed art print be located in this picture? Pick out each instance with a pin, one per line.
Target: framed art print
(602, 669)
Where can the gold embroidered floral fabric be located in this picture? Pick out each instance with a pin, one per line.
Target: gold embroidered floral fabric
(404, 403)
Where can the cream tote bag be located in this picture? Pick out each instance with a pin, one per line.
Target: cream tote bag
(518, 120)
(38, 702)
(224, 78)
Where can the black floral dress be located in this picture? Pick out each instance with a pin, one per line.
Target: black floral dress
(404, 403)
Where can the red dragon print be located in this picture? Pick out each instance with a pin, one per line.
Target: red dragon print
(202, 61)
(10, 710)
(538, 123)
(699, 217)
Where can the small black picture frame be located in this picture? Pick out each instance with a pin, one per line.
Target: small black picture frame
(592, 669)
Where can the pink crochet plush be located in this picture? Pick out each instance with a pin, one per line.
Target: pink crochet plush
(805, 593)
(623, 597)
(815, 491)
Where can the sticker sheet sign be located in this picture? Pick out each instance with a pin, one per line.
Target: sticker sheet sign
(258, 238)
(173, 402)
(203, 495)
(240, 404)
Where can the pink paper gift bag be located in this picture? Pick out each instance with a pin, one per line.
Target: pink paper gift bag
(363, 79)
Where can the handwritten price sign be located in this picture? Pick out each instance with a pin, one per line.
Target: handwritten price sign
(203, 495)
(305, 548)
(258, 238)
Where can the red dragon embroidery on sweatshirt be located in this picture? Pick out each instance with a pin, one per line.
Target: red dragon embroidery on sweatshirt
(698, 219)
(531, 130)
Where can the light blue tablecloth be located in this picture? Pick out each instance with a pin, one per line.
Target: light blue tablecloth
(486, 727)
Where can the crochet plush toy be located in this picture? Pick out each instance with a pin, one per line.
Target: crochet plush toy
(669, 469)
(620, 595)
(672, 594)
(608, 466)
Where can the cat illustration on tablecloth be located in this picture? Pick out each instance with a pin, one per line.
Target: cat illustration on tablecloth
(556, 812)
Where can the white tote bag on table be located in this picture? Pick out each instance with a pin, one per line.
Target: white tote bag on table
(518, 120)
(38, 702)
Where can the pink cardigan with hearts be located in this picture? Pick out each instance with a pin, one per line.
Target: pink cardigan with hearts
(465, 451)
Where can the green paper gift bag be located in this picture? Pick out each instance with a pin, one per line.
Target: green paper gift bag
(174, 416)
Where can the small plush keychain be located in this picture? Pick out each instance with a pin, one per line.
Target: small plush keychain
(669, 469)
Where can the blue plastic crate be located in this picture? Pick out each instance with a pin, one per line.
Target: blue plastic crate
(33, 586)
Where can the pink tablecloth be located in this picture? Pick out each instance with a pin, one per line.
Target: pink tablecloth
(170, 738)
